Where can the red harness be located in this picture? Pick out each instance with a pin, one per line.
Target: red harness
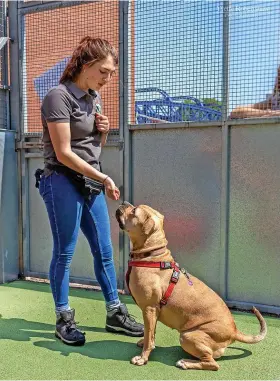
(163, 266)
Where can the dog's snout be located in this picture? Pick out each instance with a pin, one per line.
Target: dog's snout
(122, 208)
(126, 204)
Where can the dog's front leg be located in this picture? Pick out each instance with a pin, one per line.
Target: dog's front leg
(150, 315)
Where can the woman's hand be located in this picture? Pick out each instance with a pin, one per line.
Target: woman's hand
(112, 191)
(102, 123)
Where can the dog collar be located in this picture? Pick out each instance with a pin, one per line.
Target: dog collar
(152, 253)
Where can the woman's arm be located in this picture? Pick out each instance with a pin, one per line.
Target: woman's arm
(260, 109)
(102, 124)
(104, 137)
(61, 139)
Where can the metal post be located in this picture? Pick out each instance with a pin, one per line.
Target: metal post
(225, 156)
(125, 162)
(15, 114)
(15, 67)
(5, 73)
(225, 83)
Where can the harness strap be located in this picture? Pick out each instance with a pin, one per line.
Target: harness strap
(173, 281)
(164, 266)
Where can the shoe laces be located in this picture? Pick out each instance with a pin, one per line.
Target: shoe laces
(72, 325)
(128, 316)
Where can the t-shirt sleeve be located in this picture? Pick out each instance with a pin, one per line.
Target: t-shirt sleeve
(56, 106)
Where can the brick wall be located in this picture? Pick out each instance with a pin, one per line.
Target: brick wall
(51, 36)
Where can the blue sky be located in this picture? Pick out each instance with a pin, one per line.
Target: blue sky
(179, 47)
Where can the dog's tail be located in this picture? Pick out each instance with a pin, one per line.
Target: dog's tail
(250, 339)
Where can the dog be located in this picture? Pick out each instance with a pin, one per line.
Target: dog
(179, 300)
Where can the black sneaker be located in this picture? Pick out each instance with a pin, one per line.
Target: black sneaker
(66, 329)
(122, 322)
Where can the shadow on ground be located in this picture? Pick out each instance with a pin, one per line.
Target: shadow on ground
(23, 330)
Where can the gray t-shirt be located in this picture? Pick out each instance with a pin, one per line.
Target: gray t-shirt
(67, 103)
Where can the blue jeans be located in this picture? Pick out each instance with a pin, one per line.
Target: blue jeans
(68, 211)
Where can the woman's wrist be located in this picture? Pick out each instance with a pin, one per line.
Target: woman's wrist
(106, 178)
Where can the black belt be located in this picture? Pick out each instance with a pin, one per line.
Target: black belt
(86, 186)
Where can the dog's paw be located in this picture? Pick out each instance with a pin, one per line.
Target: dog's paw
(181, 364)
(138, 360)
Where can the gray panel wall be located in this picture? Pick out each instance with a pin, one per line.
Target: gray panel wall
(254, 239)
(38, 248)
(8, 208)
(178, 172)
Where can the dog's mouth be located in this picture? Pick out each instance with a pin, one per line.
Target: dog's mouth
(118, 217)
(120, 212)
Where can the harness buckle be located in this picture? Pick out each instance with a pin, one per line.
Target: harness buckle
(165, 265)
(163, 302)
(175, 276)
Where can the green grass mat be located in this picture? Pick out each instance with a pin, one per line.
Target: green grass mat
(29, 350)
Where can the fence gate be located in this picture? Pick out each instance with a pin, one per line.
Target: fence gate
(46, 34)
(184, 67)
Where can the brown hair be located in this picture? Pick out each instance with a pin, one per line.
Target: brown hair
(89, 51)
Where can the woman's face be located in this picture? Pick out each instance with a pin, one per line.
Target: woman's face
(98, 74)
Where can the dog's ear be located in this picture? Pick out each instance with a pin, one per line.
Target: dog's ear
(149, 226)
(159, 215)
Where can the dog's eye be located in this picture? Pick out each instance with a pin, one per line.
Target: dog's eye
(133, 210)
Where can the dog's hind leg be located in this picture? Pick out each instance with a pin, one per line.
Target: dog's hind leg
(150, 315)
(198, 344)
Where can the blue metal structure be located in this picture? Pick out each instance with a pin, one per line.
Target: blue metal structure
(162, 109)
(173, 109)
(49, 78)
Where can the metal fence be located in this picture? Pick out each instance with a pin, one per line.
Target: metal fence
(3, 67)
(189, 59)
(2, 34)
(177, 59)
(50, 32)
(181, 62)
(254, 41)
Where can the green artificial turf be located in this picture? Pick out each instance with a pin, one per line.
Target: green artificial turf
(29, 350)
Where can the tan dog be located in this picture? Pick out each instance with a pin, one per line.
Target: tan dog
(204, 321)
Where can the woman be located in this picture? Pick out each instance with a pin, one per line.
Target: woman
(74, 131)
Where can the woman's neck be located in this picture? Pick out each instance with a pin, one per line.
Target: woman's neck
(80, 83)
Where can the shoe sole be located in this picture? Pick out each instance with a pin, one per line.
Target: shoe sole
(112, 329)
(73, 343)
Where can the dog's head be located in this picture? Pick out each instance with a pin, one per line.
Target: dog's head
(143, 224)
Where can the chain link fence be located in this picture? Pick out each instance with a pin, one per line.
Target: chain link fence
(3, 67)
(2, 34)
(177, 60)
(49, 37)
(189, 59)
(254, 55)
